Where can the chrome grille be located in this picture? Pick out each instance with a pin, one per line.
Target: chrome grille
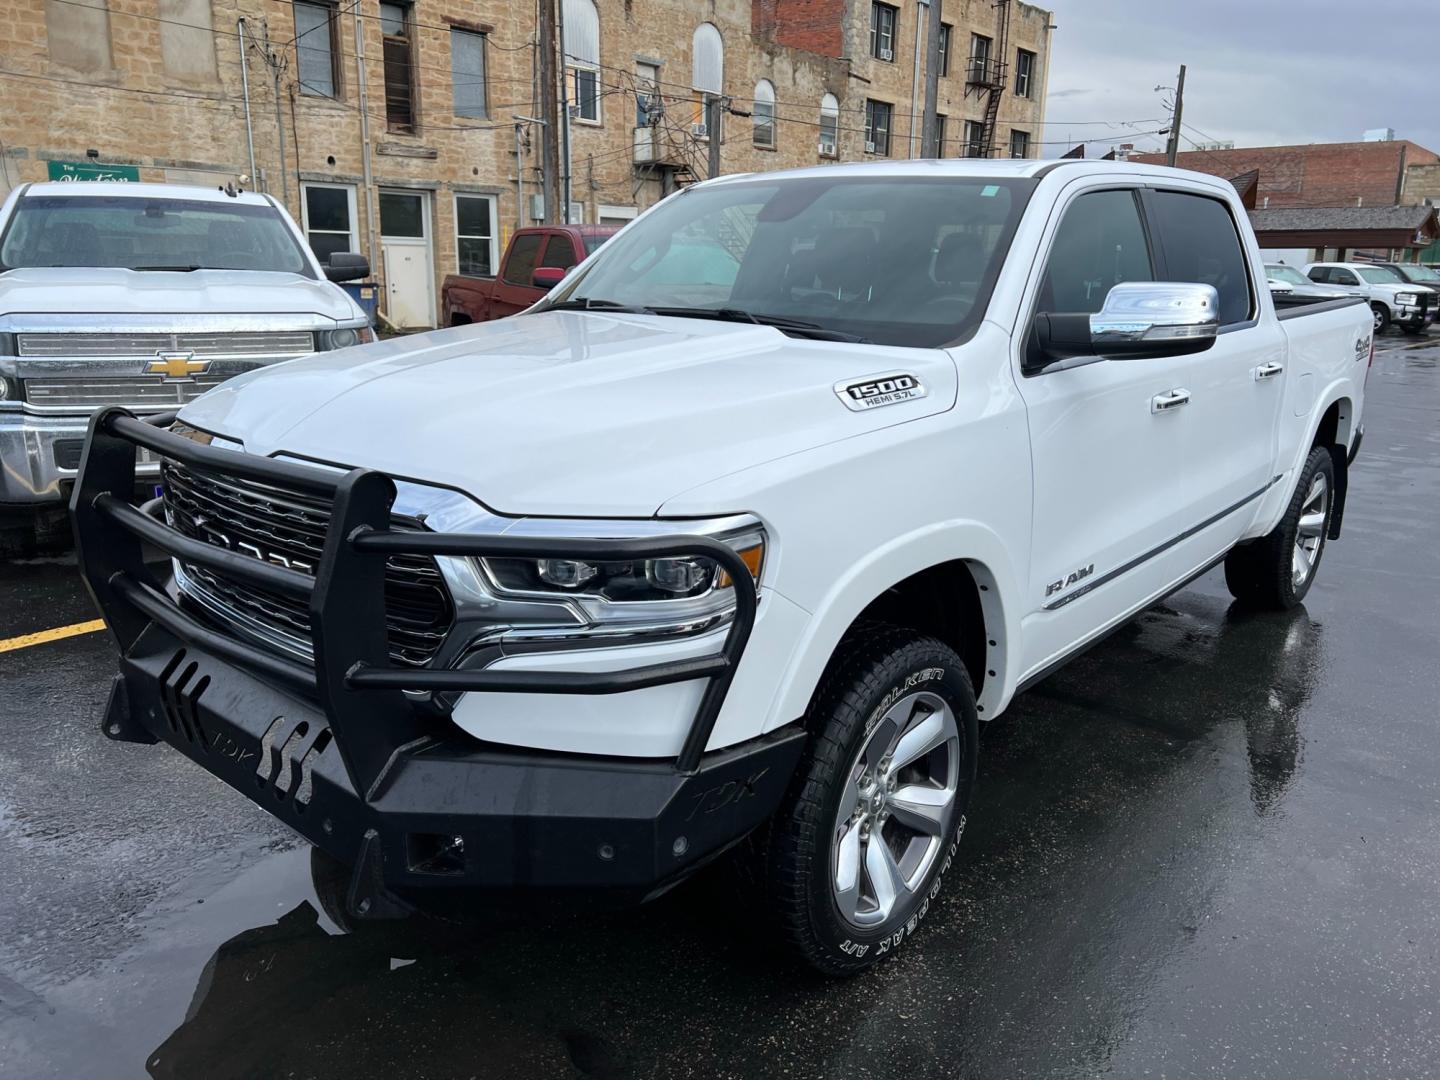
(288, 528)
(131, 391)
(205, 345)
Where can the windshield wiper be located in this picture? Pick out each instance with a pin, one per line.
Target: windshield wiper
(795, 327)
(591, 303)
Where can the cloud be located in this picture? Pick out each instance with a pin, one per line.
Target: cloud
(1260, 72)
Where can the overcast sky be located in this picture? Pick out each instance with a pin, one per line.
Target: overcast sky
(1261, 72)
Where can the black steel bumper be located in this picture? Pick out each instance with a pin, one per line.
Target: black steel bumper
(379, 777)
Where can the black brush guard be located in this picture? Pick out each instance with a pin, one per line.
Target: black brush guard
(413, 802)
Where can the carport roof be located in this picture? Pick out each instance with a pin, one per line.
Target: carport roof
(1346, 226)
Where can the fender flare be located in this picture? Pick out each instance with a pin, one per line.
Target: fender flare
(1339, 389)
(988, 559)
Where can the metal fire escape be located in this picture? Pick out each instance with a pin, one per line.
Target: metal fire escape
(988, 74)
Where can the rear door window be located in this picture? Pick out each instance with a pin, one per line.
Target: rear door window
(1200, 244)
(559, 252)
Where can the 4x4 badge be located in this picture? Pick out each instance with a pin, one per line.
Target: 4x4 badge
(892, 388)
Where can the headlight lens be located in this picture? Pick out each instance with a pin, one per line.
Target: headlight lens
(1406, 298)
(636, 581)
(344, 337)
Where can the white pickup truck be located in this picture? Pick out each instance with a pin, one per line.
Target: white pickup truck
(727, 553)
(145, 296)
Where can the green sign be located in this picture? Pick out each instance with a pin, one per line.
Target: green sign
(89, 170)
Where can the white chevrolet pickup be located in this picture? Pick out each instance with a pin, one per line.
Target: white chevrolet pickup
(144, 296)
(730, 544)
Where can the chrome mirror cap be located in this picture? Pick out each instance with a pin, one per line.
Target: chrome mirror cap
(1156, 311)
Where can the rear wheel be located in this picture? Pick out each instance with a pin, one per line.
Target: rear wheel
(875, 813)
(1277, 570)
(1382, 317)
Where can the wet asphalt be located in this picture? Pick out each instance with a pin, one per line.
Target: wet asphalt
(1209, 847)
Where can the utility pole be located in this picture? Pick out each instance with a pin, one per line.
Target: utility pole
(1172, 145)
(566, 167)
(929, 144)
(550, 129)
(713, 108)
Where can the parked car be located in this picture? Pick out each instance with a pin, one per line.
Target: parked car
(1288, 285)
(535, 261)
(1415, 274)
(143, 296)
(1392, 299)
(637, 579)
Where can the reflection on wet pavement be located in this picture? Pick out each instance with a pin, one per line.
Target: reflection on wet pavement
(1203, 848)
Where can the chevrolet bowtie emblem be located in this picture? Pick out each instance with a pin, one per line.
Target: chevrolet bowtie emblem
(177, 365)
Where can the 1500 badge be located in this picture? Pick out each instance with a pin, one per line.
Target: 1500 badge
(892, 388)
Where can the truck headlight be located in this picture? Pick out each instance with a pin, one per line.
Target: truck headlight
(1407, 298)
(343, 337)
(627, 582)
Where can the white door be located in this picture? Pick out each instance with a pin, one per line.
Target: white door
(409, 262)
(1109, 486)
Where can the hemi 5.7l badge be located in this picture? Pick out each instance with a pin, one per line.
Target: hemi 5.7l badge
(892, 388)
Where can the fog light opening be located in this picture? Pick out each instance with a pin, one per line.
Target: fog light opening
(435, 853)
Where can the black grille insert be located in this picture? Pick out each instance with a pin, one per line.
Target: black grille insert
(288, 528)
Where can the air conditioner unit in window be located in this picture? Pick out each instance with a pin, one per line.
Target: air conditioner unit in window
(700, 131)
(869, 147)
(887, 54)
(827, 148)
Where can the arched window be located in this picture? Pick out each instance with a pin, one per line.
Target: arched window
(582, 58)
(707, 70)
(829, 126)
(764, 114)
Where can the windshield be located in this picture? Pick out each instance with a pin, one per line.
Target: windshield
(893, 260)
(1420, 273)
(149, 234)
(1288, 274)
(1378, 275)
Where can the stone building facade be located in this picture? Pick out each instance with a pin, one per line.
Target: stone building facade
(410, 131)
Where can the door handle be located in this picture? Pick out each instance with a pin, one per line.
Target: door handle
(1268, 371)
(1170, 401)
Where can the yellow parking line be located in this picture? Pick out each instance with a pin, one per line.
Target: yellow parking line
(24, 641)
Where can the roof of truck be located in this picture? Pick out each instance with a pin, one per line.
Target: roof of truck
(51, 189)
(1000, 168)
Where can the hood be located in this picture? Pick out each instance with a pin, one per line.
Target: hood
(84, 290)
(568, 413)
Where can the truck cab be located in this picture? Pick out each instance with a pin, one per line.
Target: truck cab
(535, 261)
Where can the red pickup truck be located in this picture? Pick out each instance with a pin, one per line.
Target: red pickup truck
(534, 263)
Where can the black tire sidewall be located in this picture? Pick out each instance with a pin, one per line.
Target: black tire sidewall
(922, 664)
(1319, 461)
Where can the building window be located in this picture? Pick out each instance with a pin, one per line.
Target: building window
(979, 59)
(327, 214)
(612, 215)
(315, 51)
(647, 95)
(475, 248)
(974, 145)
(877, 127)
(467, 72)
(945, 29)
(1024, 73)
(78, 35)
(883, 18)
(939, 135)
(764, 114)
(1019, 144)
(582, 59)
(399, 70)
(707, 72)
(829, 126)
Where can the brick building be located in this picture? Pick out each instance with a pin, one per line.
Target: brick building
(1317, 174)
(391, 128)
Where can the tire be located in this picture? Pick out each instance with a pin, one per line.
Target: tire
(887, 692)
(1382, 317)
(1414, 329)
(1277, 570)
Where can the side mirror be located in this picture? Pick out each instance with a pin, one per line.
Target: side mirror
(1138, 319)
(547, 277)
(347, 266)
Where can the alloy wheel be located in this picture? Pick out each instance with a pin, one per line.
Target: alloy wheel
(895, 809)
(1310, 531)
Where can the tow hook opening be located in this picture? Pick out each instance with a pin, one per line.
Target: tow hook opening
(435, 853)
